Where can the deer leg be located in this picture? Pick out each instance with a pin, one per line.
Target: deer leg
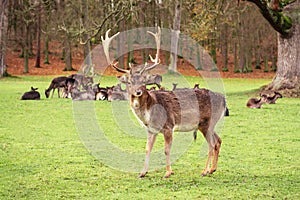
(207, 164)
(207, 135)
(168, 144)
(150, 142)
(216, 149)
(58, 91)
(53, 92)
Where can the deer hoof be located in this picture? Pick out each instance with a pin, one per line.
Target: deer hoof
(212, 171)
(168, 174)
(204, 173)
(142, 175)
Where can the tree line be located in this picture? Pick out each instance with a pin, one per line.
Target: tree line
(219, 26)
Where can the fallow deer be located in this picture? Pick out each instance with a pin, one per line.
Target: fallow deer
(116, 93)
(56, 83)
(272, 100)
(78, 95)
(33, 94)
(257, 103)
(168, 111)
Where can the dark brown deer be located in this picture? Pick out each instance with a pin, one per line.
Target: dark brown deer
(33, 94)
(272, 100)
(56, 83)
(257, 103)
(168, 111)
(69, 85)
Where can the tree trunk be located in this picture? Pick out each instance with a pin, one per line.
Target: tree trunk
(38, 29)
(26, 49)
(224, 47)
(3, 30)
(86, 37)
(26, 58)
(175, 36)
(121, 44)
(46, 49)
(287, 78)
(68, 54)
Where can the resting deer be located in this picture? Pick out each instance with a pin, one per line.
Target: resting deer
(78, 95)
(272, 100)
(168, 111)
(116, 93)
(33, 94)
(102, 94)
(257, 103)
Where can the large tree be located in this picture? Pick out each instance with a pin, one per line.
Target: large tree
(285, 19)
(3, 32)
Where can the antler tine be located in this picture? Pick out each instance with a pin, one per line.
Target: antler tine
(157, 40)
(105, 43)
(155, 60)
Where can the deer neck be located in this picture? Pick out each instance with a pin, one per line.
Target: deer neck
(260, 101)
(276, 96)
(145, 101)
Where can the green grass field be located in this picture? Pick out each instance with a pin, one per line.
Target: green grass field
(43, 152)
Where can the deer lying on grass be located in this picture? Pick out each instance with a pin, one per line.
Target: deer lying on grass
(257, 103)
(101, 93)
(116, 93)
(33, 94)
(78, 95)
(272, 100)
(168, 111)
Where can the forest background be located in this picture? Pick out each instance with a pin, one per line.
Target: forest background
(49, 37)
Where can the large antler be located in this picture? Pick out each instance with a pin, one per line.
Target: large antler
(155, 60)
(105, 43)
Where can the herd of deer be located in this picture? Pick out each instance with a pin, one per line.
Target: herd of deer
(78, 87)
(257, 103)
(160, 111)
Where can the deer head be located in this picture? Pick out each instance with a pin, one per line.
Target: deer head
(136, 77)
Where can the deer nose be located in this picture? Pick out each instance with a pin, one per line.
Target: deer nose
(138, 93)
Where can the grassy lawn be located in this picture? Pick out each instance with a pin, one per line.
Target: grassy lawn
(45, 154)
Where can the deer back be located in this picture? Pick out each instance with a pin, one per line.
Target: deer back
(179, 110)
